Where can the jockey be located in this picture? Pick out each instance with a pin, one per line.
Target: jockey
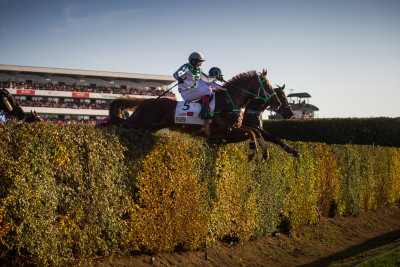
(188, 76)
(207, 88)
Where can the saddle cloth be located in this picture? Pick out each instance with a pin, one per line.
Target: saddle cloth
(189, 112)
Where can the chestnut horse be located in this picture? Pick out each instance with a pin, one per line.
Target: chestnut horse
(253, 118)
(10, 106)
(156, 114)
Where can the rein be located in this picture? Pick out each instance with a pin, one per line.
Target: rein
(268, 96)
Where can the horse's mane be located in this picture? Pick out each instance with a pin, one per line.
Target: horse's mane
(235, 81)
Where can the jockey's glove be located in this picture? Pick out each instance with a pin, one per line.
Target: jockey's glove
(180, 80)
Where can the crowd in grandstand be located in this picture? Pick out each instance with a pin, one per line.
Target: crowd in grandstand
(81, 88)
(62, 104)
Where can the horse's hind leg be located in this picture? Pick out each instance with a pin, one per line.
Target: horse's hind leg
(240, 132)
(268, 137)
(260, 139)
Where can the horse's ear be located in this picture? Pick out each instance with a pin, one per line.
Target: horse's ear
(32, 113)
(283, 87)
(35, 113)
(264, 74)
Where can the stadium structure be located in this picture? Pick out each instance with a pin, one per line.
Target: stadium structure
(76, 95)
(301, 107)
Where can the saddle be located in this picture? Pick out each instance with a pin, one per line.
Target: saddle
(189, 112)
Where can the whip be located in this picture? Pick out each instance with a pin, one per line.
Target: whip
(168, 90)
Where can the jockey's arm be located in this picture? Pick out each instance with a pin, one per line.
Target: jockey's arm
(207, 79)
(185, 78)
(216, 87)
(181, 71)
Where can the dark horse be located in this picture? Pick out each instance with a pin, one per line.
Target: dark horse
(10, 106)
(156, 114)
(253, 118)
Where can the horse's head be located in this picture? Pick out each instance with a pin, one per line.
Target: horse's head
(33, 117)
(249, 85)
(285, 109)
(268, 91)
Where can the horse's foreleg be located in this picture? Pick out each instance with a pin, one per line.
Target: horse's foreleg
(268, 137)
(260, 139)
(240, 132)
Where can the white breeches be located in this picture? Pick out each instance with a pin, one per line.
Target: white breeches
(195, 93)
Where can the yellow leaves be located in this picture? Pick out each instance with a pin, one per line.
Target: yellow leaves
(175, 190)
(167, 212)
(5, 226)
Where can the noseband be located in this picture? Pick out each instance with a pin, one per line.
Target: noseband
(268, 96)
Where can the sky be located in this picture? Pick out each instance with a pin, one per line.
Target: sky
(344, 53)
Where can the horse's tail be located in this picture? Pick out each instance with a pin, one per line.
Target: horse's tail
(118, 106)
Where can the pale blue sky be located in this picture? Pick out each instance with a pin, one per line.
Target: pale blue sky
(345, 53)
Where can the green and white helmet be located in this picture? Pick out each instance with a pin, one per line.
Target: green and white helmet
(196, 56)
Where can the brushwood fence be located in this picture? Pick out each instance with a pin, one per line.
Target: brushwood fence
(76, 192)
(381, 131)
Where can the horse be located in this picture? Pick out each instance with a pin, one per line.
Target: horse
(156, 114)
(33, 117)
(10, 106)
(253, 119)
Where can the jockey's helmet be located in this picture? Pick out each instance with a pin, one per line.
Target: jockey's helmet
(196, 56)
(215, 72)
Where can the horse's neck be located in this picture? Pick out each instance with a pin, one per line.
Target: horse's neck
(257, 104)
(238, 95)
(228, 101)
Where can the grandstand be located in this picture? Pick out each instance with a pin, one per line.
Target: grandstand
(76, 95)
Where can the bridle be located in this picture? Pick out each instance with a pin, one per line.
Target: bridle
(37, 119)
(267, 96)
(282, 108)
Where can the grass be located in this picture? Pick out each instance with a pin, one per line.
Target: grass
(390, 258)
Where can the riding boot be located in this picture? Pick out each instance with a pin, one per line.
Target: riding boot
(204, 108)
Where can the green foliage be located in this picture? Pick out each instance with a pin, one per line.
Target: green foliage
(74, 191)
(234, 211)
(276, 178)
(62, 191)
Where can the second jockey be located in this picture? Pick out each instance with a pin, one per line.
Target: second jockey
(207, 88)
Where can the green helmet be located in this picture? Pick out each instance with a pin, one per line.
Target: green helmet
(196, 56)
(215, 72)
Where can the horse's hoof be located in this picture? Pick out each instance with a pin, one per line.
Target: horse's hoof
(298, 155)
(251, 157)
